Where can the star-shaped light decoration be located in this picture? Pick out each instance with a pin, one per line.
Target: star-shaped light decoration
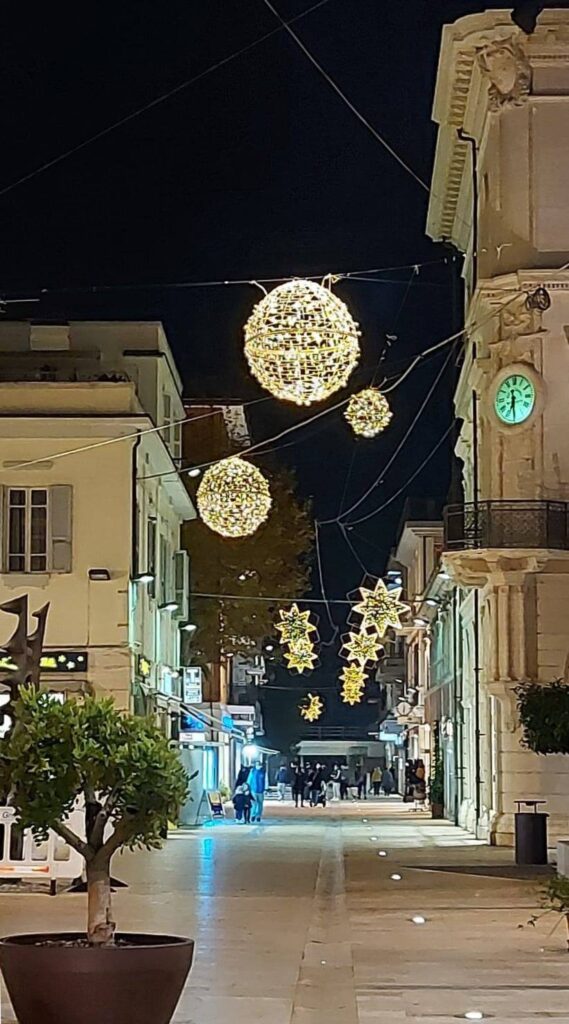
(380, 608)
(294, 625)
(301, 655)
(353, 684)
(362, 647)
(312, 708)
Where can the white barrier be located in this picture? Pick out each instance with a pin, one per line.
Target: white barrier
(29, 859)
(563, 857)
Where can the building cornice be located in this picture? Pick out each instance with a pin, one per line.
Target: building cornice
(485, 65)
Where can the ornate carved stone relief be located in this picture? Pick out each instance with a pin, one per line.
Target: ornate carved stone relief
(506, 66)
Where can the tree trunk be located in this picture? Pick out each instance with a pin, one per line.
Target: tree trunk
(100, 924)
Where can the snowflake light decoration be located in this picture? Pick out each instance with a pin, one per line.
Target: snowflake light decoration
(233, 497)
(353, 684)
(362, 647)
(368, 412)
(301, 342)
(301, 655)
(312, 708)
(380, 608)
(294, 625)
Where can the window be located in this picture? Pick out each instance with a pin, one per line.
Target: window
(151, 555)
(167, 433)
(38, 529)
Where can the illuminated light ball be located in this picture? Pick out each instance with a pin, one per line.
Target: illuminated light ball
(233, 498)
(301, 342)
(396, 878)
(368, 412)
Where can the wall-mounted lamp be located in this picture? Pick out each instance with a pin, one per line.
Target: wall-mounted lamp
(188, 627)
(99, 574)
(144, 577)
(195, 471)
(169, 606)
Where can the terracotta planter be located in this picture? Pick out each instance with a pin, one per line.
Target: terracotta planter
(136, 984)
(437, 811)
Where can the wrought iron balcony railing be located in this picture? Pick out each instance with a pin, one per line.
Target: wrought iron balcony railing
(507, 524)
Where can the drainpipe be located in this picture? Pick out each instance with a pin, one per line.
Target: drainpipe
(133, 536)
(475, 204)
(457, 708)
(477, 701)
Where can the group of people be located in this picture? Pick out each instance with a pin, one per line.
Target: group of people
(249, 793)
(313, 784)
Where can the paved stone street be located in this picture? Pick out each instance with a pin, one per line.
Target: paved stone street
(300, 922)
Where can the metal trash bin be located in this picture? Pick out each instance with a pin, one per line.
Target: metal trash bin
(531, 833)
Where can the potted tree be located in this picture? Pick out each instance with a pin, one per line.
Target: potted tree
(122, 771)
(437, 788)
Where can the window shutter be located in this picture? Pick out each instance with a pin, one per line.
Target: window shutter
(3, 530)
(182, 584)
(60, 506)
(151, 555)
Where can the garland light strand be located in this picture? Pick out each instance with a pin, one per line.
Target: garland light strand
(368, 412)
(301, 342)
(233, 498)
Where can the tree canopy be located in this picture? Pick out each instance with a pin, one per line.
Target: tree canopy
(274, 561)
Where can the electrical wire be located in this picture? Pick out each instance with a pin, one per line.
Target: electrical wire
(333, 625)
(407, 434)
(379, 138)
(154, 103)
(245, 597)
(410, 479)
(340, 276)
(363, 567)
(127, 437)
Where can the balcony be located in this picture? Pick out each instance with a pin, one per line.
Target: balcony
(507, 524)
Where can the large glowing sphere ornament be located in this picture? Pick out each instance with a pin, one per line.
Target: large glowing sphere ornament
(301, 342)
(233, 498)
(368, 412)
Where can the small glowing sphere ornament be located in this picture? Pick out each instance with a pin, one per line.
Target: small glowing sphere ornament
(301, 342)
(368, 412)
(312, 708)
(233, 498)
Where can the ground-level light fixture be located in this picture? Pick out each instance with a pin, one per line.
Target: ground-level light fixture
(144, 577)
(382, 853)
(194, 471)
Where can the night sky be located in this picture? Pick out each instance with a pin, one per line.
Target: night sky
(257, 170)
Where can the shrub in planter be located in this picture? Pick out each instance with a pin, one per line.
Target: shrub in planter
(544, 715)
(437, 788)
(131, 784)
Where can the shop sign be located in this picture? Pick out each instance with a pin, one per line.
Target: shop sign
(216, 803)
(193, 685)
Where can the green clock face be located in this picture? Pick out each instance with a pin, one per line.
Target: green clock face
(515, 399)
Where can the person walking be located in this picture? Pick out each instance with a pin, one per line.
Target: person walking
(298, 784)
(344, 782)
(387, 781)
(282, 779)
(243, 775)
(419, 786)
(335, 777)
(376, 780)
(258, 784)
(316, 785)
(360, 778)
(242, 804)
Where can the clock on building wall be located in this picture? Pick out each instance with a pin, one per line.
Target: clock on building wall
(515, 394)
